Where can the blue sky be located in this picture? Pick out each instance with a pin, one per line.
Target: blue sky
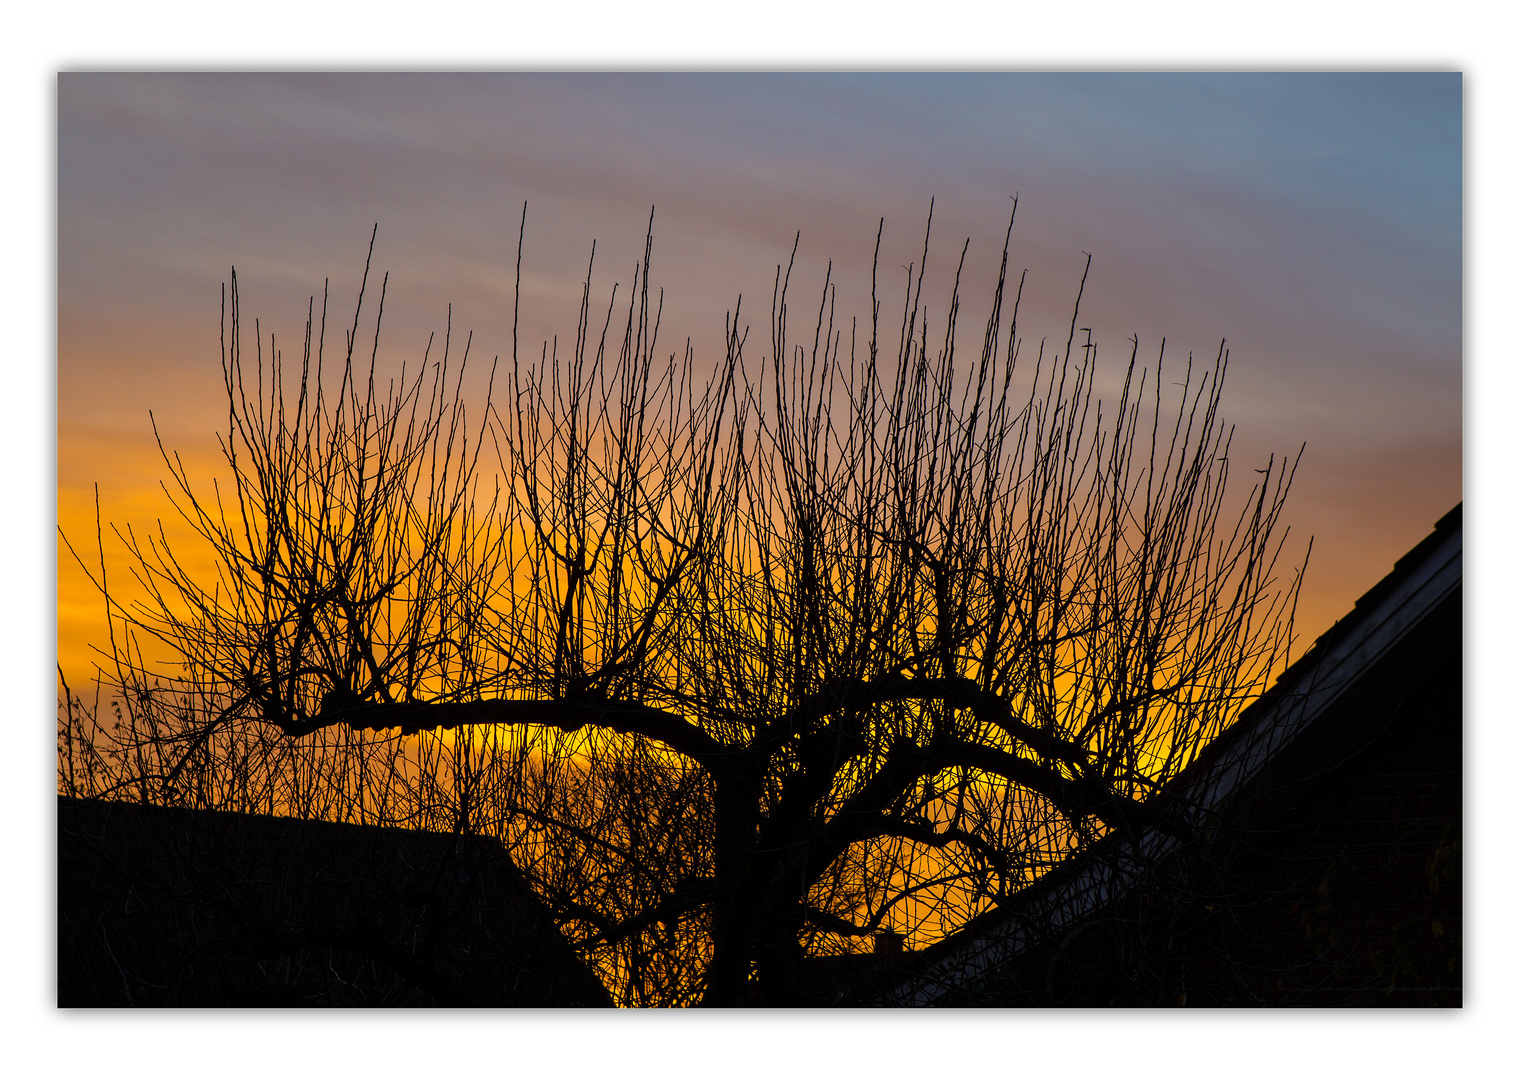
(1314, 221)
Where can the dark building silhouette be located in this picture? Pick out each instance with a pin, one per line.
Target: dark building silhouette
(172, 907)
(1325, 865)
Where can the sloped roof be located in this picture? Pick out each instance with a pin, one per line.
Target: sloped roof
(1352, 670)
(164, 906)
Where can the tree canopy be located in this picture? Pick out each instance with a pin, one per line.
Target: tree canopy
(748, 659)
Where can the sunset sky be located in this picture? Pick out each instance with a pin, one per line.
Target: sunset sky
(1317, 222)
(1312, 221)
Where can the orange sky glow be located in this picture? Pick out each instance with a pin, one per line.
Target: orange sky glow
(1312, 221)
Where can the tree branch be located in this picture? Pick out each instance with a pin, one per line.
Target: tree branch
(626, 718)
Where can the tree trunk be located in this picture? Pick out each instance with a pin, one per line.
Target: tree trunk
(736, 813)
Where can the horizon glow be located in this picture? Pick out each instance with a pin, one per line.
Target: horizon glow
(1312, 221)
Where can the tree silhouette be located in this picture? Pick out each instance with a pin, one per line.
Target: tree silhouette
(747, 668)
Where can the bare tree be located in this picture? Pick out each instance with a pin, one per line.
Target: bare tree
(744, 669)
